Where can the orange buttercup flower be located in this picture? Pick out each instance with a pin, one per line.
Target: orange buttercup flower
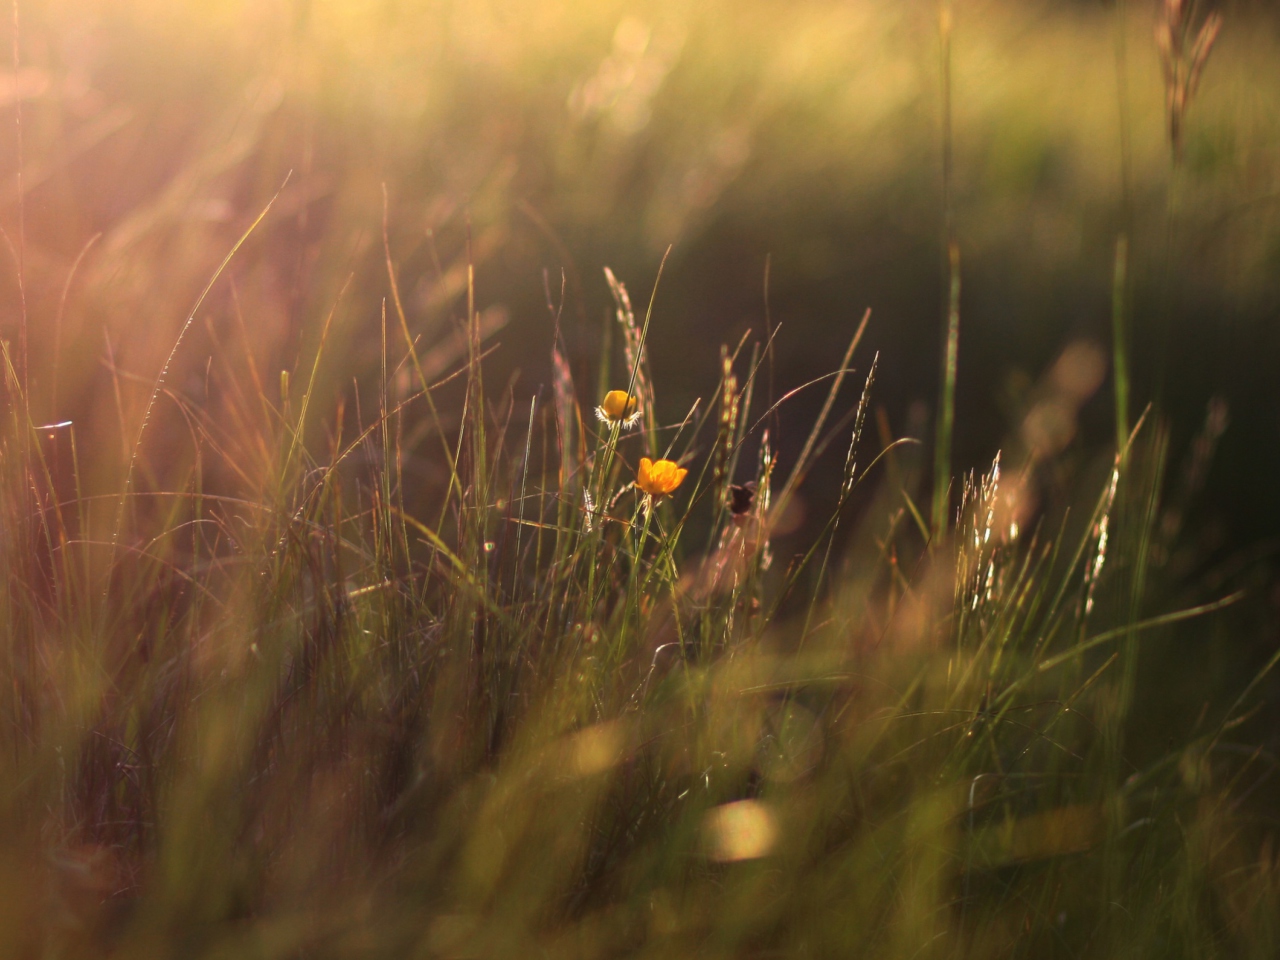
(660, 478)
(618, 407)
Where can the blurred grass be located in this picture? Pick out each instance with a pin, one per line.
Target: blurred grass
(303, 659)
(578, 135)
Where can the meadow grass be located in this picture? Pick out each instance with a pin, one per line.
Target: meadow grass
(429, 665)
(554, 713)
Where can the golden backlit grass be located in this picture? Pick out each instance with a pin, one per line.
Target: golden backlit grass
(320, 640)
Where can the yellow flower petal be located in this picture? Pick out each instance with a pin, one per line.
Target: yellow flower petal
(660, 478)
(617, 405)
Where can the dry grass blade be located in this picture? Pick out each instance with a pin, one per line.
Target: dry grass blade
(802, 462)
(164, 369)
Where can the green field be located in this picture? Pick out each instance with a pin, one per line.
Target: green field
(535, 478)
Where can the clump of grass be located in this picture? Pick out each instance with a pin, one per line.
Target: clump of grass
(581, 703)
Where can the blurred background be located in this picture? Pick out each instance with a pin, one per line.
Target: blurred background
(790, 155)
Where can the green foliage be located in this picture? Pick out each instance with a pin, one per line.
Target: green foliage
(290, 717)
(411, 667)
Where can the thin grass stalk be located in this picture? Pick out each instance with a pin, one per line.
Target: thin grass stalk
(1120, 345)
(946, 403)
(455, 482)
(524, 486)
(804, 460)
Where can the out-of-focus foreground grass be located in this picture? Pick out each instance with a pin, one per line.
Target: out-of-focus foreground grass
(334, 624)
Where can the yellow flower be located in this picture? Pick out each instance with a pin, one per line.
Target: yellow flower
(659, 479)
(618, 407)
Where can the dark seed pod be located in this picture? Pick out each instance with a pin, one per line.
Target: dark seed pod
(742, 497)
